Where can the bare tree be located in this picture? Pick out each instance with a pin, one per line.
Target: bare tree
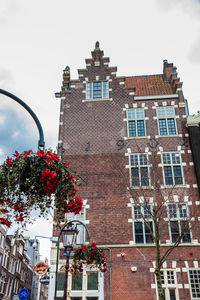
(153, 204)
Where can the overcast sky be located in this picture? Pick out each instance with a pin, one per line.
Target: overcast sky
(40, 38)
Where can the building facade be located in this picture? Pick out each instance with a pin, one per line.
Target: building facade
(117, 133)
(16, 270)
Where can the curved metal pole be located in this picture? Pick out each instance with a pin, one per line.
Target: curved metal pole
(41, 142)
(58, 245)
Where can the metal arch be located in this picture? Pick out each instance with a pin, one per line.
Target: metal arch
(58, 247)
(41, 142)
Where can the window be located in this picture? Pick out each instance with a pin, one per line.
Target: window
(172, 168)
(97, 90)
(194, 279)
(60, 281)
(166, 120)
(86, 286)
(142, 230)
(179, 225)
(139, 171)
(77, 282)
(92, 280)
(169, 284)
(136, 126)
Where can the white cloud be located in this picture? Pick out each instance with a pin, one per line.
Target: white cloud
(1, 152)
(186, 6)
(2, 119)
(194, 53)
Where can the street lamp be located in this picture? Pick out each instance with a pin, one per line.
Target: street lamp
(69, 239)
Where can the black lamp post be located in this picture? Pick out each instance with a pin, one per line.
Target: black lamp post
(69, 239)
(70, 232)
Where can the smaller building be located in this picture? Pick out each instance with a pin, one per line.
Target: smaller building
(16, 270)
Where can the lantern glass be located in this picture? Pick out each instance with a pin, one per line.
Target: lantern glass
(69, 236)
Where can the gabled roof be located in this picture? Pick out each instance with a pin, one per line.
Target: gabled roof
(148, 85)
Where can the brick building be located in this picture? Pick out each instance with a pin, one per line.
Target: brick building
(16, 270)
(109, 129)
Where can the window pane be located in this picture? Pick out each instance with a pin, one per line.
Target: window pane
(92, 298)
(185, 230)
(77, 282)
(143, 160)
(161, 112)
(97, 89)
(174, 231)
(169, 110)
(172, 294)
(171, 126)
(166, 158)
(105, 89)
(163, 127)
(89, 90)
(137, 212)
(72, 298)
(178, 175)
(92, 281)
(148, 236)
(147, 212)
(172, 210)
(140, 128)
(60, 281)
(144, 176)
(182, 210)
(131, 128)
(168, 175)
(139, 233)
(176, 158)
(131, 114)
(140, 113)
(134, 160)
(135, 176)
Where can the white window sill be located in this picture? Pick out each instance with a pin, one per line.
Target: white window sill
(97, 100)
(173, 186)
(149, 187)
(168, 135)
(136, 137)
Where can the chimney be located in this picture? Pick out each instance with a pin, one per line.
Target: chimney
(168, 69)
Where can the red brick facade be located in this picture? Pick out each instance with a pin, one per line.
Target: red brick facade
(93, 138)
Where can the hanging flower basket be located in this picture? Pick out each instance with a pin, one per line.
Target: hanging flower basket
(29, 180)
(88, 255)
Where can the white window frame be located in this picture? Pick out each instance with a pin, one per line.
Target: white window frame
(139, 166)
(171, 164)
(190, 283)
(167, 286)
(136, 118)
(90, 90)
(140, 219)
(179, 219)
(165, 117)
(84, 293)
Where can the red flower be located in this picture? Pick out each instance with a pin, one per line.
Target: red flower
(20, 218)
(5, 221)
(103, 270)
(66, 164)
(40, 153)
(16, 154)
(9, 161)
(83, 247)
(93, 244)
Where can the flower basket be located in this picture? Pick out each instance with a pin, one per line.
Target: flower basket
(29, 180)
(88, 255)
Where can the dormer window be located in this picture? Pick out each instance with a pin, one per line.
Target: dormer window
(97, 90)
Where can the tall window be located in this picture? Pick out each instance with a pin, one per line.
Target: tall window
(194, 279)
(172, 168)
(139, 170)
(142, 229)
(166, 120)
(97, 90)
(179, 224)
(136, 126)
(169, 284)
